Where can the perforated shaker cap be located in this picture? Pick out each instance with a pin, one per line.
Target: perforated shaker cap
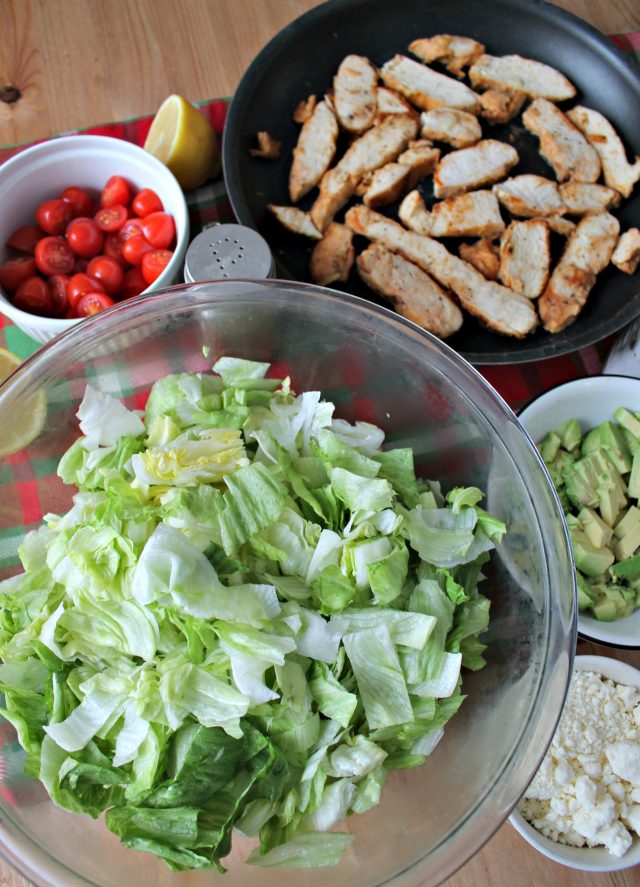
(227, 251)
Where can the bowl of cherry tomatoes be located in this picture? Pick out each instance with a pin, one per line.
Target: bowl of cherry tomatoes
(86, 222)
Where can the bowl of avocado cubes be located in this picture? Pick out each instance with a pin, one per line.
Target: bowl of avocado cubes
(588, 434)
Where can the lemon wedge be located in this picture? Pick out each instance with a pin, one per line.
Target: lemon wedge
(184, 140)
(26, 420)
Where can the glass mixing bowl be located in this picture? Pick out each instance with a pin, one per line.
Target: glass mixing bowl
(378, 367)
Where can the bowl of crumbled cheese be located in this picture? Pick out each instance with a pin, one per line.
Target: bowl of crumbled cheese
(582, 808)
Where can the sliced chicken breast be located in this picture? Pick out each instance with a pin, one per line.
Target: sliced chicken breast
(618, 172)
(296, 220)
(561, 143)
(421, 159)
(456, 53)
(414, 214)
(626, 255)
(412, 291)
(587, 253)
(313, 152)
(501, 107)
(560, 225)
(426, 88)
(476, 214)
(498, 307)
(484, 255)
(304, 109)
(391, 102)
(469, 168)
(529, 196)
(388, 184)
(355, 96)
(456, 128)
(525, 257)
(513, 73)
(332, 257)
(580, 198)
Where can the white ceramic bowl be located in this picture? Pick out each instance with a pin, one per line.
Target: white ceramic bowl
(43, 171)
(590, 400)
(587, 859)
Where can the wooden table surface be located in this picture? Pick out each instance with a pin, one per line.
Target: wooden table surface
(82, 62)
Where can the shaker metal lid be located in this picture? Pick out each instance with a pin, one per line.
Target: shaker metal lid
(228, 251)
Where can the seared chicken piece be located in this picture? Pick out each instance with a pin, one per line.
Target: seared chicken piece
(421, 159)
(354, 94)
(457, 128)
(268, 147)
(426, 88)
(378, 145)
(530, 196)
(498, 307)
(524, 257)
(513, 73)
(501, 107)
(414, 214)
(476, 214)
(580, 198)
(295, 220)
(391, 102)
(332, 257)
(456, 53)
(587, 253)
(618, 172)
(562, 226)
(388, 184)
(304, 109)
(313, 152)
(484, 255)
(470, 168)
(561, 143)
(626, 255)
(413, 292)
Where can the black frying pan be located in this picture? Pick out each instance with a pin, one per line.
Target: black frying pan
(303, 58)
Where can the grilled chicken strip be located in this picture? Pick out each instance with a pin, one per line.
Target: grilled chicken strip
(313, 152)
(562, 226)
(626, 255)
(513, 73)
(412, 291)
(469, 215)
(470, 168)
(500, 107)
(354, 94)
(561, 143)
(457, 128)
(421, 159)
(378, 145)
(426, 88)
(530, 196)
(387, 185)
(525, 258)
(304, 109)
(414, 214)
(456, 53)
(391, 102)
(332, 257)
(498, 307)
(484, 255)
(587, 253)
(618, 172)
(580, 198)
(296, 220)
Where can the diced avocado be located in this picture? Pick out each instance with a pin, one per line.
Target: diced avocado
(586, 597)
(589, 560)
(632, 442)
(627, 532)
(613, 442)
(570, 434)
(628, 420)
(597, 531)
(628, 569)
(591, 441)
(633, 482)
(581, 484)
(605, 610)
(621, 599)
(611, 500)
(549, 446)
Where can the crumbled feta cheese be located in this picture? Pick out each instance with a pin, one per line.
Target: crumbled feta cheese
(587, 789)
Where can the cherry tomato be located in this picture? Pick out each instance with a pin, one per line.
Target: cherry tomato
(111, 218)
(115, 191)
(53, 216)
(33, 295)
(112, 247)
(79, 200)
(131, 228)
(159, 229)
(134, 248)
(54, 256)
(84, 237)
(15, 271)
(133, 283)
(146, 202)
(58, 288)
(154, 263)
(92, 303)
(81, 284)
(108, 271)
(24, 238)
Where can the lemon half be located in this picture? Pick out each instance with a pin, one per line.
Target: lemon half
(27, 420)
(184, 140)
